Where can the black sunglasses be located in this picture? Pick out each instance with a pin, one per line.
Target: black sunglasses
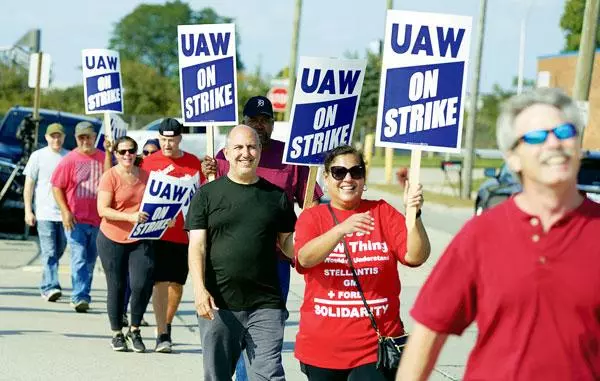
(562, 132)
(122, 152)
(339, 173)
(146, 152)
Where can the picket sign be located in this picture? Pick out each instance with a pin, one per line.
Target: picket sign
(323, 112)
(108, 129)
(423, 85)
(208, 77)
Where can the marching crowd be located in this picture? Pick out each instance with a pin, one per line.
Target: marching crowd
(533, 289)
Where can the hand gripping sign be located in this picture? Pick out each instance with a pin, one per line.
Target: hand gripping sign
(207, 73)
(423, 81)
(324, 109)
(118, 129)
(163, 199)
(102, 81)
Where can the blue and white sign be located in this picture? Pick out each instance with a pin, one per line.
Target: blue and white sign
(207, 74)
(163, 199)
(326, 101)
(423, 81)
(118, 129)
(102, 85)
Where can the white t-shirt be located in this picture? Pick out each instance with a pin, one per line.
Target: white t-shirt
(40, 166)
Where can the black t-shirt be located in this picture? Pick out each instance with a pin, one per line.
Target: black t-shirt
(242, 222)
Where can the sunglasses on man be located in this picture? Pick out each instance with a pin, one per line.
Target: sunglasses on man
(562, 132)
(131, 151)
(339, 173)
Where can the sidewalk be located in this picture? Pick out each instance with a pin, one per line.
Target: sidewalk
(43, 341)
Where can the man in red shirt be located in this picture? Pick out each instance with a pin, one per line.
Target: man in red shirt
(528, 270)
(171, 263)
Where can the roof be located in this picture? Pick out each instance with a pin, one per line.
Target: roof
(54, 113)
(563, 54)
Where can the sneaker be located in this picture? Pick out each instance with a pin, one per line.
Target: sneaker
(81, 306)
(125, 321)
(134, 340)
(144, 323)
(163, 344)
(118, 343)
(52, 295)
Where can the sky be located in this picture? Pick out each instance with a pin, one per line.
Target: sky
(329, 28)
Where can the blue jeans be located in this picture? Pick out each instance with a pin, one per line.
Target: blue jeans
(52, 246)
(82, 242)
(283, 270)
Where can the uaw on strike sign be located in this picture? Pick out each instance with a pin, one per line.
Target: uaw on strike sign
(102, 81)
(325, 106)
(207, 73)
(423, 81)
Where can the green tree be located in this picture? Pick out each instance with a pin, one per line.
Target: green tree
(149, 34)
(249, 85)
(369, 97)
(13, 87)
(571, 23)
(69, 99)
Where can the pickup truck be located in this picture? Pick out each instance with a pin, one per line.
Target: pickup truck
(12, 165)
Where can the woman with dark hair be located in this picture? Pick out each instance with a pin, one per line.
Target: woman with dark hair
(336, 339)
(119, 199)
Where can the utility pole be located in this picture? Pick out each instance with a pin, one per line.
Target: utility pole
(293, 59)
(389, 152)
(467, 173)
(587, 51)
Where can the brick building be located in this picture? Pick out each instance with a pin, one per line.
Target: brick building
(559, 71)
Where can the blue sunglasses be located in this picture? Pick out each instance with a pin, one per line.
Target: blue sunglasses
(562, 132)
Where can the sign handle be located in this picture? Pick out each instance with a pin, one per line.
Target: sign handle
(310, 187)
(107, 128)
(210, 145)
(413, 178)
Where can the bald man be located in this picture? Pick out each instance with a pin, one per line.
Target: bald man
(236, 285)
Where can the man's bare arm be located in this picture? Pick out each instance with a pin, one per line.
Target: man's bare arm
(286, 243)
(205, 303)
(28, 200)
(421, 353)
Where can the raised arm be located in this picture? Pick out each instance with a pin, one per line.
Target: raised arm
(417, 241)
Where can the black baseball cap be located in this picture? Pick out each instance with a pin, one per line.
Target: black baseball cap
(258, 105)
(170, 127)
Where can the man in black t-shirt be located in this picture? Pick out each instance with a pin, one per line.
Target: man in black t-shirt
(235, 224)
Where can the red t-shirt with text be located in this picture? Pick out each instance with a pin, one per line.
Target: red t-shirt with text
(335, 331)
(187, 164)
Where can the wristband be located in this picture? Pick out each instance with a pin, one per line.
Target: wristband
(418, 215)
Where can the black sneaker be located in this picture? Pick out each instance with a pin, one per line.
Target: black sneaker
(125, 321)
(163, 344)
(118, 343)
(134, 340)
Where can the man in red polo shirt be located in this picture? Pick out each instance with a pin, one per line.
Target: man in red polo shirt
(171, 263)
(528, 270)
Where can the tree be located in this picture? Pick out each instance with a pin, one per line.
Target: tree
(13, 87)
(572, 24)
(369, 97)
(149, 34)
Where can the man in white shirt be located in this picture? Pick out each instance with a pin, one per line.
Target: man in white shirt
(38, 172)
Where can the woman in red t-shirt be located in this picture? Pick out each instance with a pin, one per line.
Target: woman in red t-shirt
(335, 339)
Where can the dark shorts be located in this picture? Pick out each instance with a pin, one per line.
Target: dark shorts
(171, 262)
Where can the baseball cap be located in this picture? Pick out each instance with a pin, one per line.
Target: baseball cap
(170, 127)
(55, 128)
(84, 128)
(258, 105)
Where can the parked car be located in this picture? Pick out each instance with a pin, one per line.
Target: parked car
(11, 152)
(503, 183)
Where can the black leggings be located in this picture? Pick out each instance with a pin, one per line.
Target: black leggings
(360, 373)
(117, 259)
